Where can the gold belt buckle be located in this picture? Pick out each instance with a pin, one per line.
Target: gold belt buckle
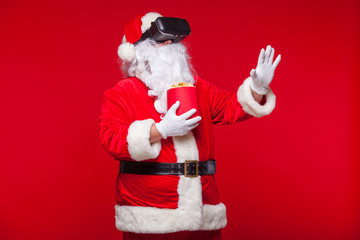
(186, 168)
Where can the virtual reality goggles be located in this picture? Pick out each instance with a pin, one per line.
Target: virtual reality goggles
(167, 28)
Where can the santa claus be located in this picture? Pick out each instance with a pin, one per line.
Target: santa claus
(166, 187)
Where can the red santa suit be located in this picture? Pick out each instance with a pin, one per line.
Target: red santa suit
(168, 203)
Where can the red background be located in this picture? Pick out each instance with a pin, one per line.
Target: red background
(291, 175)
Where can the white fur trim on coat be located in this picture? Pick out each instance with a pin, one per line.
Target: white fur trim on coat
(139, 145)
(214, 217)
(251, 106)
(190, 215)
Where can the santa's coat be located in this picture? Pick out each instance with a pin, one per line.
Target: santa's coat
(158, 203)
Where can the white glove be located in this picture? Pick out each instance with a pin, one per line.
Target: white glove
(172, 125)
(264, 73)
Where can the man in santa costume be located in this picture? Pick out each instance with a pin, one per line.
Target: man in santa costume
(166, 188)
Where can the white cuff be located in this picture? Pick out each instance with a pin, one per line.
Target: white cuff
(138, 139)
(250, 105)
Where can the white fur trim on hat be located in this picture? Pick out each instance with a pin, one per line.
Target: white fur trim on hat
(126, 50)
(139, 145)
(251, 106)
(147, 19)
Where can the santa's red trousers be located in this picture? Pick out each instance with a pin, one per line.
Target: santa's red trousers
(187, 235)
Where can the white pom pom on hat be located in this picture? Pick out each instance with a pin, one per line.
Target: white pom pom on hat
(133, 32)
(126, 51)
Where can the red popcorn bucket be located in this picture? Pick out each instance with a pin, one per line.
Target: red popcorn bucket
(187, 97)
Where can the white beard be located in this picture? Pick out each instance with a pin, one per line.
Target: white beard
(159, 68)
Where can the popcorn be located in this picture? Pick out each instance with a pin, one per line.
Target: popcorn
(182, 84)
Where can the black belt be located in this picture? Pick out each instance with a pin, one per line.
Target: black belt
(189, 168)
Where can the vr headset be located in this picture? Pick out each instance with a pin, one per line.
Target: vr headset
(167, 28)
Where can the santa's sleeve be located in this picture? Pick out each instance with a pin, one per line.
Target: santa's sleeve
(121, 136)
(250, 105)
(227, 107)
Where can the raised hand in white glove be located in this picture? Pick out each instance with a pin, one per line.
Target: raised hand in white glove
(172, 125)
(264, 72)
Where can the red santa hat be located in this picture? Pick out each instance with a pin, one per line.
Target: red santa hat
(133, 32)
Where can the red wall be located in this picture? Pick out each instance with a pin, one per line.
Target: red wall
(291, 175)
